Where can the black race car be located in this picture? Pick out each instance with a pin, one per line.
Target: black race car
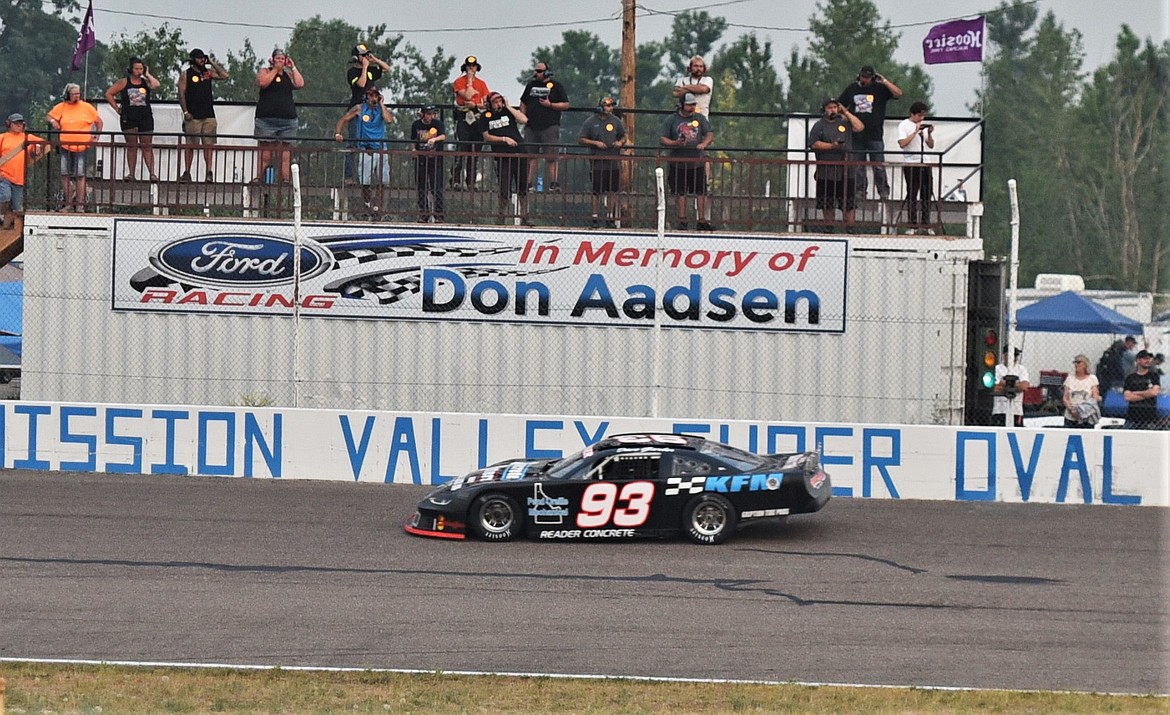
(626, 486)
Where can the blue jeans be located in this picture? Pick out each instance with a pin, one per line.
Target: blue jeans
(871, 151)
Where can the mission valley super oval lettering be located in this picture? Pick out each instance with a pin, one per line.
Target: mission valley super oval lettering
(238, 260)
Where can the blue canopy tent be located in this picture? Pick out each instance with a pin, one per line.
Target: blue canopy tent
(1073, 313)
(12, 316)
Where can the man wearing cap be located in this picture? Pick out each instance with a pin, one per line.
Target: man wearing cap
(1141, 390)
(604, 134)
(830, 138)
(867, 97)
(14, 149)
(542, 102)
(471, 94)
(688, 134)
(78, 122)
(373, 171)
(429, 136)
(499, 126)
(198, 105)
(1010, 383)
(365, 69)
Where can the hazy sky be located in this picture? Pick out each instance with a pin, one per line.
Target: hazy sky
(504, 33)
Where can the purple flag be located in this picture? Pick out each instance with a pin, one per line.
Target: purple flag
(86, 41)
(957, 41)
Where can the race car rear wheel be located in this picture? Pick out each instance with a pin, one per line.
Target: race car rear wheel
(709, 519)
(495, 517)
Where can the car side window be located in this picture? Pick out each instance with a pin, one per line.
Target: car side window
(686, 465)
(626, 467)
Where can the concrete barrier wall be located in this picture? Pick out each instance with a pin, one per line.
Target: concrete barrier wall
(865, 460)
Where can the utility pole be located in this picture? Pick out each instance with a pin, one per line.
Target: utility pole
(627, 97)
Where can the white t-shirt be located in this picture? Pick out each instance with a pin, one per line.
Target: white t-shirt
(912, 152)
(1000, 404)
(702, 101)
(1079, 390)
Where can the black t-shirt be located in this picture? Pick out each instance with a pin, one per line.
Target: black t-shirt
(357, 94)
(869, 104)
(420, 131)
(199, 100)
(276, 100)
(501, 124)
(540, 116)
(1143, 411)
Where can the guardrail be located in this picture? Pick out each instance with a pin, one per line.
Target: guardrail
(746, 193)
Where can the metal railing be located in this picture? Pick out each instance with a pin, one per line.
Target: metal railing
(746, 193)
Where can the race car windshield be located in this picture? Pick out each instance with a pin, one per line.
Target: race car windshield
(744, 461)
(568, 467)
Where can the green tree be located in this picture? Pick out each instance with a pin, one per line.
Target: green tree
(586, 66)
(847, 34)
(1031, 84)
(242, 67)
(162, 49)
(746, 81)
(1116, 210)
(36, 48)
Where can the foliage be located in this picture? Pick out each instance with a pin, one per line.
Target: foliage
(162, 50)
(586, 66)
(36, 48)
(846, 35)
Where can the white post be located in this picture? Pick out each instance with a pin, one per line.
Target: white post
(660, 193)
(1015, 269)
(296, 200)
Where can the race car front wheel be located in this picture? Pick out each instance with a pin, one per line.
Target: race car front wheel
(495, 517)
(709, 519)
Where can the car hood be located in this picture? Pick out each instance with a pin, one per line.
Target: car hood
(514, 470)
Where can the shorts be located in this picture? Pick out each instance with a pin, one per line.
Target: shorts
(275, 128)
(202, 131)
(687, 178)
(137, 121)
(72, 163)
(370, 165)
(836, 193)
(606, 178)
(537, 138)
(12, 194)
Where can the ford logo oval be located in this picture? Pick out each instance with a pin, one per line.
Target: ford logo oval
(232, 260)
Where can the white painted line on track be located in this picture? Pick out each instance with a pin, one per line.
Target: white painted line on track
(564, 676)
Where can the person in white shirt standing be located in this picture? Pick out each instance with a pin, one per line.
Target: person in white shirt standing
(1010, 384)
(697, 83)
(915, 136)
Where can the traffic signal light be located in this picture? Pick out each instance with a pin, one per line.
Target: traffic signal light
(990, 349)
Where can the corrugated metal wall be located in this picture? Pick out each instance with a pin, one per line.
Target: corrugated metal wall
(900, 358)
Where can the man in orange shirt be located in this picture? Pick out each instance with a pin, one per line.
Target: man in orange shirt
(79, 123)
(470, 99)
(13, 150)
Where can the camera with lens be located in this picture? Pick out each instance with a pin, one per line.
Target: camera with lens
(1011, 386)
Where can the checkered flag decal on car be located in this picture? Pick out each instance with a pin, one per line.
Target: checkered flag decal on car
(684, 485)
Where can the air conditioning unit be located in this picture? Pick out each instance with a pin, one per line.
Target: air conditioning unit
(1059, 282)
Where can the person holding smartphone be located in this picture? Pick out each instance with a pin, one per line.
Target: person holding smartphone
(276, 113)
(831, 138)
(915, 136)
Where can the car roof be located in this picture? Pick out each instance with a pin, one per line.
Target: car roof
(648, 441)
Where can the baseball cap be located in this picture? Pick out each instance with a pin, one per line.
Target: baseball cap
(15, 117)
(429, 108)
(867, 71)
(827, 101)
(360, 49)
(470, 61)
(196, 54)
(689, 98)
(1144, 354)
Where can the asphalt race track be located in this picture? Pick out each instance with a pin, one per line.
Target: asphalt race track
(218, 570)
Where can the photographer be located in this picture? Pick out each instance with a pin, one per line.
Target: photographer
(1010, 383)
(915, 136)
(373, 172)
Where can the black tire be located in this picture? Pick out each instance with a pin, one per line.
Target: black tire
(709, 519)
(495, 517)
